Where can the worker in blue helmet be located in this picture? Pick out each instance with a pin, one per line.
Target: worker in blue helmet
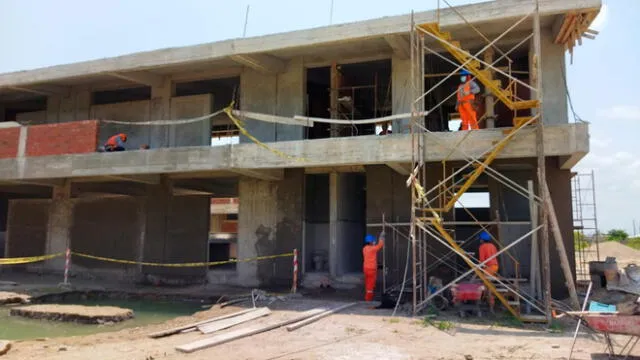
(370, 263)
(488, 249)
(467, 91)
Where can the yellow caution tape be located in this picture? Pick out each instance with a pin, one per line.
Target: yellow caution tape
(193, 264)
(29, 259)
(240, 125)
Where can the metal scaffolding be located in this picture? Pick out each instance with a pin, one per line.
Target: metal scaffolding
(585, 223)
(431, 213)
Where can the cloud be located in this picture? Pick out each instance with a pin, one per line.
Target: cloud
(620, 112)
(600, 21)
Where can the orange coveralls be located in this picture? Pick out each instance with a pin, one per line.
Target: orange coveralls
(370, 268)
(486, 251)
(465, 107)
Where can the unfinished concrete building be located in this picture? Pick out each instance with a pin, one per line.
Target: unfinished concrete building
(315, 186)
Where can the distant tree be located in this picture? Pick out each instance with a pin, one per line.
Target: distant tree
(617, 235)
(580, 241)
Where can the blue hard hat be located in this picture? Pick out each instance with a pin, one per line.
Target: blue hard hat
(484, 236)
(369, 239)
(464, 72)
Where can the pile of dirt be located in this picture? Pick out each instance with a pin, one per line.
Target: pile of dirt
(624, 255)
(7, 297)
(74, 313)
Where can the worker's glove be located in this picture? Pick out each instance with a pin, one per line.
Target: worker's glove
(382, 235)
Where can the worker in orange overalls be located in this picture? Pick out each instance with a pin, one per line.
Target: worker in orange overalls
(370, 266)
(488, 249)
(115, 143)
(466, 95)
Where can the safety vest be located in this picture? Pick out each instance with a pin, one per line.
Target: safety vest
(370, 255)
(465, 89)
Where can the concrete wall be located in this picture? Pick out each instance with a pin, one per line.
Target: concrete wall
(351, 223)
(177, 230)
(388, 194)
(281, 94)
(401, 92)
(106, 227)
(269, 223)
(27, 227)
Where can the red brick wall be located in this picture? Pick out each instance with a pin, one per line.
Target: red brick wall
(75, 137)
(9, 140)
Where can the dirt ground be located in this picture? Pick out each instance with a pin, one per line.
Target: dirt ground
(624, 255)
(360, 333)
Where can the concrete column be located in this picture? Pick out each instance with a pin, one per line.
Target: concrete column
(291, 96)
(160, 136)
(258, 93)
(559, 182)
(142, 226)
(72, 107)
(59, 225)
(256, 225)
(334, 190)
(489, 100)
(553, 79)
(401, 92)
(53, 108)
(269, 223)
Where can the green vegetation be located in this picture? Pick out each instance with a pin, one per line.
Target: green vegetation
(442, 325)
(580, 242)
(633, 243)
(617, 235)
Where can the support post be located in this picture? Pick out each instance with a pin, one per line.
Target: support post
(59, 225)
(562, 253)
(534, 268)
(489, 101)
(333, 223)
(542, 174)
(333, 97)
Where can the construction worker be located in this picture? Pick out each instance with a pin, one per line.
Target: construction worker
(385, 129)
(467, 91)
(370, 266)
(115, 143)
(488, 249)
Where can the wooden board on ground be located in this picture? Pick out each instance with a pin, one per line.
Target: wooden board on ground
(236, 320)
(179, 329)
(241, 333)
(318, 317)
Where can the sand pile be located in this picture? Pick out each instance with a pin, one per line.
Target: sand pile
(7, 297)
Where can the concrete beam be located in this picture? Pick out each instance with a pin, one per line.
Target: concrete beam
(153, 179)
(140, 77)
(400, 45)
(208, 186)
(254, 161)
(271, 174)
(117, 188)
(42, 182)
(400, 168)
(265, 64)
(43, 90)
(496, 12)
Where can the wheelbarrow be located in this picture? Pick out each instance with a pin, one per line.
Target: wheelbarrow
(466, 297)
(613, 323)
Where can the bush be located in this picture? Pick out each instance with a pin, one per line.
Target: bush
(617, 235)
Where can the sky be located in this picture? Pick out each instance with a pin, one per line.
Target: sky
(603, 89)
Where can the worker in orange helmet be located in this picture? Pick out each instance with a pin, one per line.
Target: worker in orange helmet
(370, 266)
(467, 91)
(115, 143)
(488, 249)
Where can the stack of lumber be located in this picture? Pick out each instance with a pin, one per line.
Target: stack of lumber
(291, 324)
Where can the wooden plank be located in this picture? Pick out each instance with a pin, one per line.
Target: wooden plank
(318, 317)
(236, 320)
(176, 330)
(241, 333)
